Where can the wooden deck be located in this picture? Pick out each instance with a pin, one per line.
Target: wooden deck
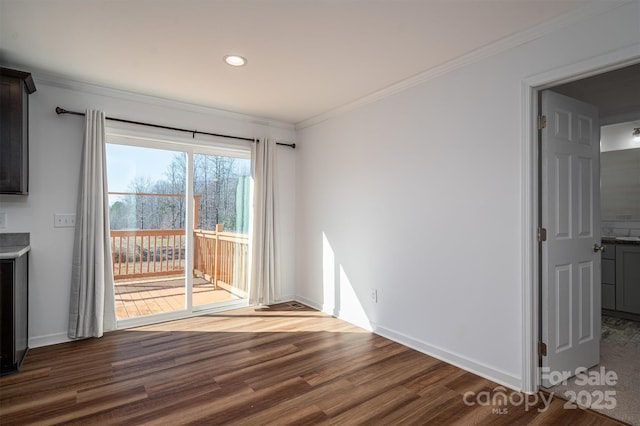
(146, 296)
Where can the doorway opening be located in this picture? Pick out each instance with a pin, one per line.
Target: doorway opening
(615, 94)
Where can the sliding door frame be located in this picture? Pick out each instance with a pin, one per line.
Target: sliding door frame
(127, 136)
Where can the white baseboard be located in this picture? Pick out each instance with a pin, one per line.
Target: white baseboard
(310, 303)
(490, 373)
(285, 299)
(49, 339)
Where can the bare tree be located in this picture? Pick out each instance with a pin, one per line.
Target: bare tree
(176, 183)
(142, 205)
(220, 182)
(214, 181)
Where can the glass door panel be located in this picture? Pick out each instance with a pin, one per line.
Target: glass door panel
(147, 211)
(221, 187)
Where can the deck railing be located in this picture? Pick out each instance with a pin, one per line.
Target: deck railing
(142, 253)
(220, 257)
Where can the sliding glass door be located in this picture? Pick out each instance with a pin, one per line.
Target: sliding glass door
(221, 238)
(179, 219)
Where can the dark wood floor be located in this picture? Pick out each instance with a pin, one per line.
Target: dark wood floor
(279, 365)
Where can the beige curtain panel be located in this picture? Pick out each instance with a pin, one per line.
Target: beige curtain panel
(91, 310)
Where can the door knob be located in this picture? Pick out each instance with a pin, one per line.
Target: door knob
(597, 248)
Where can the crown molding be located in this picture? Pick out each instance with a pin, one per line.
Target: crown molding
(47, 79)
(591, 9)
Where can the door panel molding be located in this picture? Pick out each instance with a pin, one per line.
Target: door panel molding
(575, 157)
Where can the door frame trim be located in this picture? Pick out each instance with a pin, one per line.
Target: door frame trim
(530, 88)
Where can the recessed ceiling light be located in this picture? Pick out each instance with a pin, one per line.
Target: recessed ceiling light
(235, 60)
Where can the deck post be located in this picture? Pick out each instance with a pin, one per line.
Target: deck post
(216, 267)
(196, 210)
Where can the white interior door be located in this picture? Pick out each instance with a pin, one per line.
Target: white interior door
(571, 277)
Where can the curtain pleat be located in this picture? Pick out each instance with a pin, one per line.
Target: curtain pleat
(92, 308)
(265, 262)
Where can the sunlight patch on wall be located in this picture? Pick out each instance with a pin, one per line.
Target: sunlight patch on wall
(328, 276)
(340, 298)
(350, 308)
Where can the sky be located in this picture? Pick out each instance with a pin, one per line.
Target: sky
(124, 163)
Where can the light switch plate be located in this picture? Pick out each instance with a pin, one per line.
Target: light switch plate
(64, 220)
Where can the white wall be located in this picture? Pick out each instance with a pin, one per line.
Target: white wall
(419, 196)
(618, 136)
(55, 151)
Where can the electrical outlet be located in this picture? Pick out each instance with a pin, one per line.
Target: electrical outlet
(374, 295)
(64, 220)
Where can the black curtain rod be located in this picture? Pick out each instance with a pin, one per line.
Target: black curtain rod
(158, 126)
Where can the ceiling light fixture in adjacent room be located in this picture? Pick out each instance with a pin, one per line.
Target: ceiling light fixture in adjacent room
(636, 134)
(235, 60)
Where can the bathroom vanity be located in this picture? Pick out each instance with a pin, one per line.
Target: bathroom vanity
(621, 276)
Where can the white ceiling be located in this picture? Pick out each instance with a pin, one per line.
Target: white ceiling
(304, 57)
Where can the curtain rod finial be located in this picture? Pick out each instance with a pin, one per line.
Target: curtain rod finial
(60, 110)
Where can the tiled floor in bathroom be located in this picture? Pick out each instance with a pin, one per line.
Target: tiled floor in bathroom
(621, 331)
(619, 353)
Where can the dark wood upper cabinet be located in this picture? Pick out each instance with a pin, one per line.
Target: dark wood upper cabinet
(15, 88)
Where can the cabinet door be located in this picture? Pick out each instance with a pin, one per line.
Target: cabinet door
(21, 306)
(14, 316)
(608, 296)
(610, 251)
(14, 161)
(628, 278)
(7, 347)
(608, 271)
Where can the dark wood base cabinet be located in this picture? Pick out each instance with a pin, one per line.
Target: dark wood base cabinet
(14, 299)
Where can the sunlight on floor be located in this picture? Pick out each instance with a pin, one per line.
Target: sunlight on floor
(295, 317)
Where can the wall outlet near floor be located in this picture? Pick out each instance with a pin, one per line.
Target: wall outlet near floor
(374, 295)
(64, 220)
